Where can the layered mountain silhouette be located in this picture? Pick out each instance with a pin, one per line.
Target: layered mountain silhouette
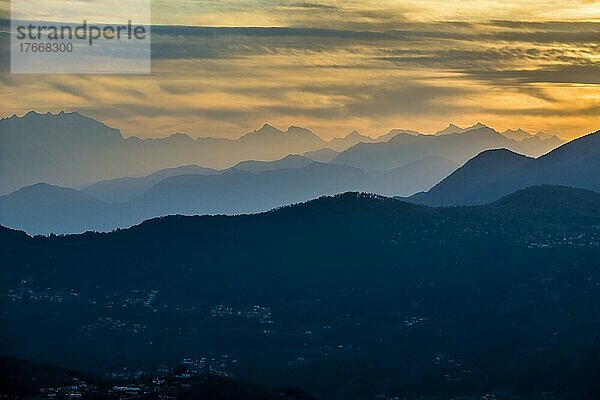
(47, 209)
(124, 189)
(457, 147)
(285, 258)
(68, 149)
(520, 134)
(395, 132)
(452, 129)
(373, 230)
(322, 155)
(406, 164)
(516, 134)
(494, 174)
(476, 180)
(239, 192)
(44, 209)
(354, 137)
(269, 142)
(512, 134)
(288, 162)
(408, 178)
(58, 149)
(249, 187)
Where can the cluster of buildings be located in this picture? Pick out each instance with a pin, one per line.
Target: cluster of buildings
(26, 292)
(220, 366)
(131, 385)
(129, 298)
(76, 389)
(414, 320)
(119, 299)
(113, 324)
(257, 313)
(546, 240)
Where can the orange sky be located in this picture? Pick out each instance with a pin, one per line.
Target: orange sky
(336, 66)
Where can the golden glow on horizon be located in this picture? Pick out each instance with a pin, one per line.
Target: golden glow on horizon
(369, 13)
(528, 68)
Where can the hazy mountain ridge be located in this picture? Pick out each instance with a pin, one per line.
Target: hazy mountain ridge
(68, 149)
(456, 147)
(477, 180)
(545, 198)
(520, 134)
(395, 132)
(288, 162)
(413, 176)
(453, 129)
(248, 187)
(124, 189)
(296, 178)
(512, 134)
(354, 137)
(45, 208)
(31, 155)
(322, 155)
(494, 174)
(241, 192)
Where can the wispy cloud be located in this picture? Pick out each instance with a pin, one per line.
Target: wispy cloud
(335, 66)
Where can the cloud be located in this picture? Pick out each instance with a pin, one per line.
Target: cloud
(335, 66)
(319, 6)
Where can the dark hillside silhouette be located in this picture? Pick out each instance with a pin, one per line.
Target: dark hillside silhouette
(416, 293)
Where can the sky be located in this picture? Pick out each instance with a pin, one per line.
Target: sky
(226, 67)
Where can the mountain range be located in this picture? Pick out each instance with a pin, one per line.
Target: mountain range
(455, 146)
(497, 173)
(249, 187)
(69, 149)
(124, 189)
(323, 155)
(520, 134)
(408, 163)
(452, 129)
